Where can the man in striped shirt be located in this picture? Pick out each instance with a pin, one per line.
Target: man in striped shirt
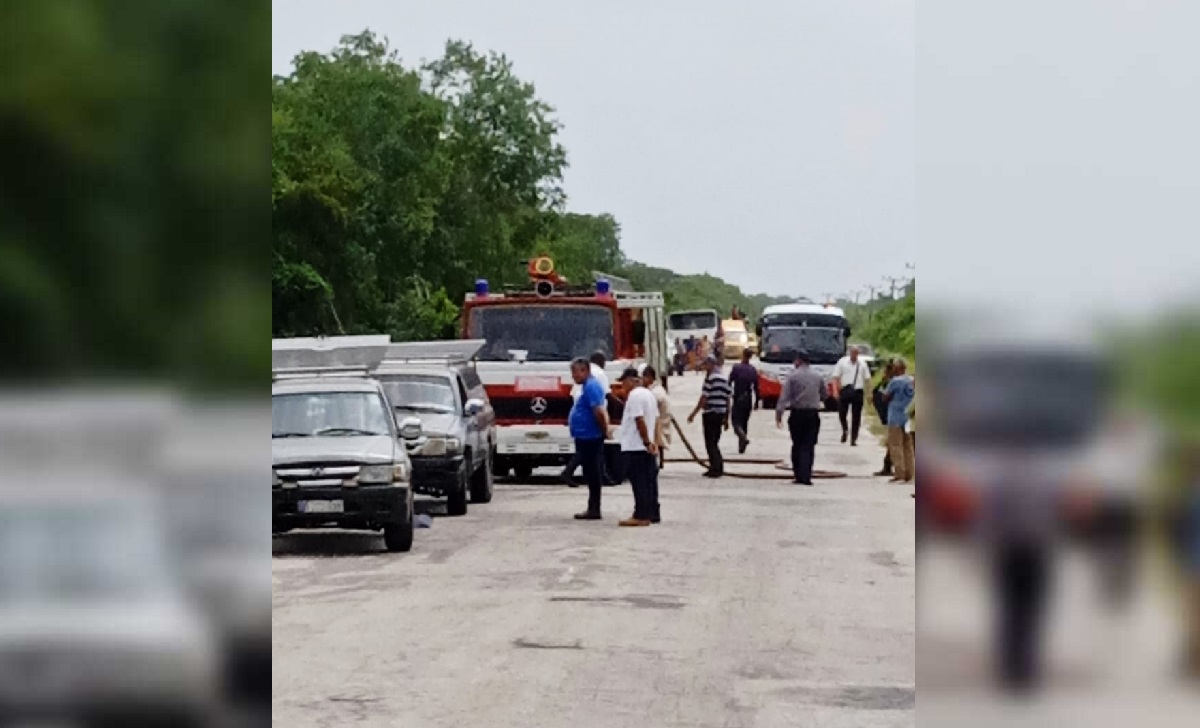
(714, 403)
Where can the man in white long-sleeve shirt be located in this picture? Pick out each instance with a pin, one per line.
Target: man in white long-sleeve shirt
(853, 377)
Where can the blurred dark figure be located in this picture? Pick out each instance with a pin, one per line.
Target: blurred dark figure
(1187, 543)
(881, 409)
(744, 378)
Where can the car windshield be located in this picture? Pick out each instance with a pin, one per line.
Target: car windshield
(80, 552)
(823, 346)
(735, 337)
(328, 414)
(544, 332)
(1023, 399)
(692, 321)
(420, 393)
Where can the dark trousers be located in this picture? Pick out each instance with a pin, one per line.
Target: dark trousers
(573, 465)
(714, 422)
(742, 405)
(591, 459)
(642, 470)
(1021, 574)
(852, 402)
(805, 426)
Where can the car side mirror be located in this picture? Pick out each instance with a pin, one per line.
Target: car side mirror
(410, 428)
(474, 407)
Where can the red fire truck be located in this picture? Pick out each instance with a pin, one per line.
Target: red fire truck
(532, 334)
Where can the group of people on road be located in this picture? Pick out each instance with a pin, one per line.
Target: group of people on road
(727, 402)
(692, 353)
(641, 435)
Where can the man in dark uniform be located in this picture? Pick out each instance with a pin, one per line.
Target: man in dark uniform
(802, 393)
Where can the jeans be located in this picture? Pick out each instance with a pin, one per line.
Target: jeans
(714, 422)
(742, 405)
(853, 403)
(805, 426)
(591, 458)
(642, 470)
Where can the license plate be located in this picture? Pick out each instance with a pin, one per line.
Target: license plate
(321, 506)
(536, 384)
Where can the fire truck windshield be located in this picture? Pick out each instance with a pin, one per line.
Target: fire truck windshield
(546, 332)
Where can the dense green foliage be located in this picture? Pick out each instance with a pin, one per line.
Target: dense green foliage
(889, 324)
(130, 195)
(393, 189)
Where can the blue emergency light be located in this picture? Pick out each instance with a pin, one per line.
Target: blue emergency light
(481, 287)
(602, 287)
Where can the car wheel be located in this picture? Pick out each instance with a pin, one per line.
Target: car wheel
(523, 472)
(481, 482)
(398, 537)
(456, 499)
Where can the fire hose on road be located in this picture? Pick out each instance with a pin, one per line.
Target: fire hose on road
(825, 474)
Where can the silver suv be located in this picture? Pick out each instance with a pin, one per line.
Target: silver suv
(453, 453)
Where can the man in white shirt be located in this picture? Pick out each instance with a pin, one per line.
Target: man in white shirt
(853, 377)
(638, 449)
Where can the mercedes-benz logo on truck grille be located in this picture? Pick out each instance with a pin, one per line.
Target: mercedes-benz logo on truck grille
(538, 405)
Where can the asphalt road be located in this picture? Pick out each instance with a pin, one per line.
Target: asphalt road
(754, 603)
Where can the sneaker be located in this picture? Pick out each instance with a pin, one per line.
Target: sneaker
(845, 436)
(634, 522)
(742, 443)
(587, 516)
(803, 482)
(711, 474)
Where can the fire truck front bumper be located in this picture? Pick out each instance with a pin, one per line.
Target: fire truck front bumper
(540, 440)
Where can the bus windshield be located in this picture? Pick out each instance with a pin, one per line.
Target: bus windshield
(823, 346)
(544, 332)
(692, 321)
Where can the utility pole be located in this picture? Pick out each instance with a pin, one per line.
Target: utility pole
(892, 281)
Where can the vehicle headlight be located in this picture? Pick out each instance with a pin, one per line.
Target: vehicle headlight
(453, 445)
(371, 474)
(434, 447)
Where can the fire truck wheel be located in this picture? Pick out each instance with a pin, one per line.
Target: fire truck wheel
(523, 472)
(481, 483)
(456, 499)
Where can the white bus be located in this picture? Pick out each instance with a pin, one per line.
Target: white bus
(785, 329)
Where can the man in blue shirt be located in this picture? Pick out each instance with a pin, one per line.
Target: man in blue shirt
(899, 393)
(588, 424)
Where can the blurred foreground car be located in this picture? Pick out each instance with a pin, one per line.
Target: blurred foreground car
(337, 454)
(94, 626)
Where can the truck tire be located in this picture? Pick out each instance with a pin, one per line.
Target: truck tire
(481, 482)
(456, 499)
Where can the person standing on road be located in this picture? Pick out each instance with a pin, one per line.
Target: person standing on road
(596, 367)
(638, 449)
(744, 379)
(588, 423)
(852, 376)
(801, 394)
(898, 395)
(881, 410)
(662, 435)
(714, 403)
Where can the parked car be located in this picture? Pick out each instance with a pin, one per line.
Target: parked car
(339, 460)
(737, 339)
(454, 454)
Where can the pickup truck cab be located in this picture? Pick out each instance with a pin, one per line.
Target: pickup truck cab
(338, 458)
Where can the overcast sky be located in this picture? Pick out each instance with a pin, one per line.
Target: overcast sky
(770, 143)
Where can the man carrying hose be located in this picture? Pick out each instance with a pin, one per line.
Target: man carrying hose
(802, 394)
